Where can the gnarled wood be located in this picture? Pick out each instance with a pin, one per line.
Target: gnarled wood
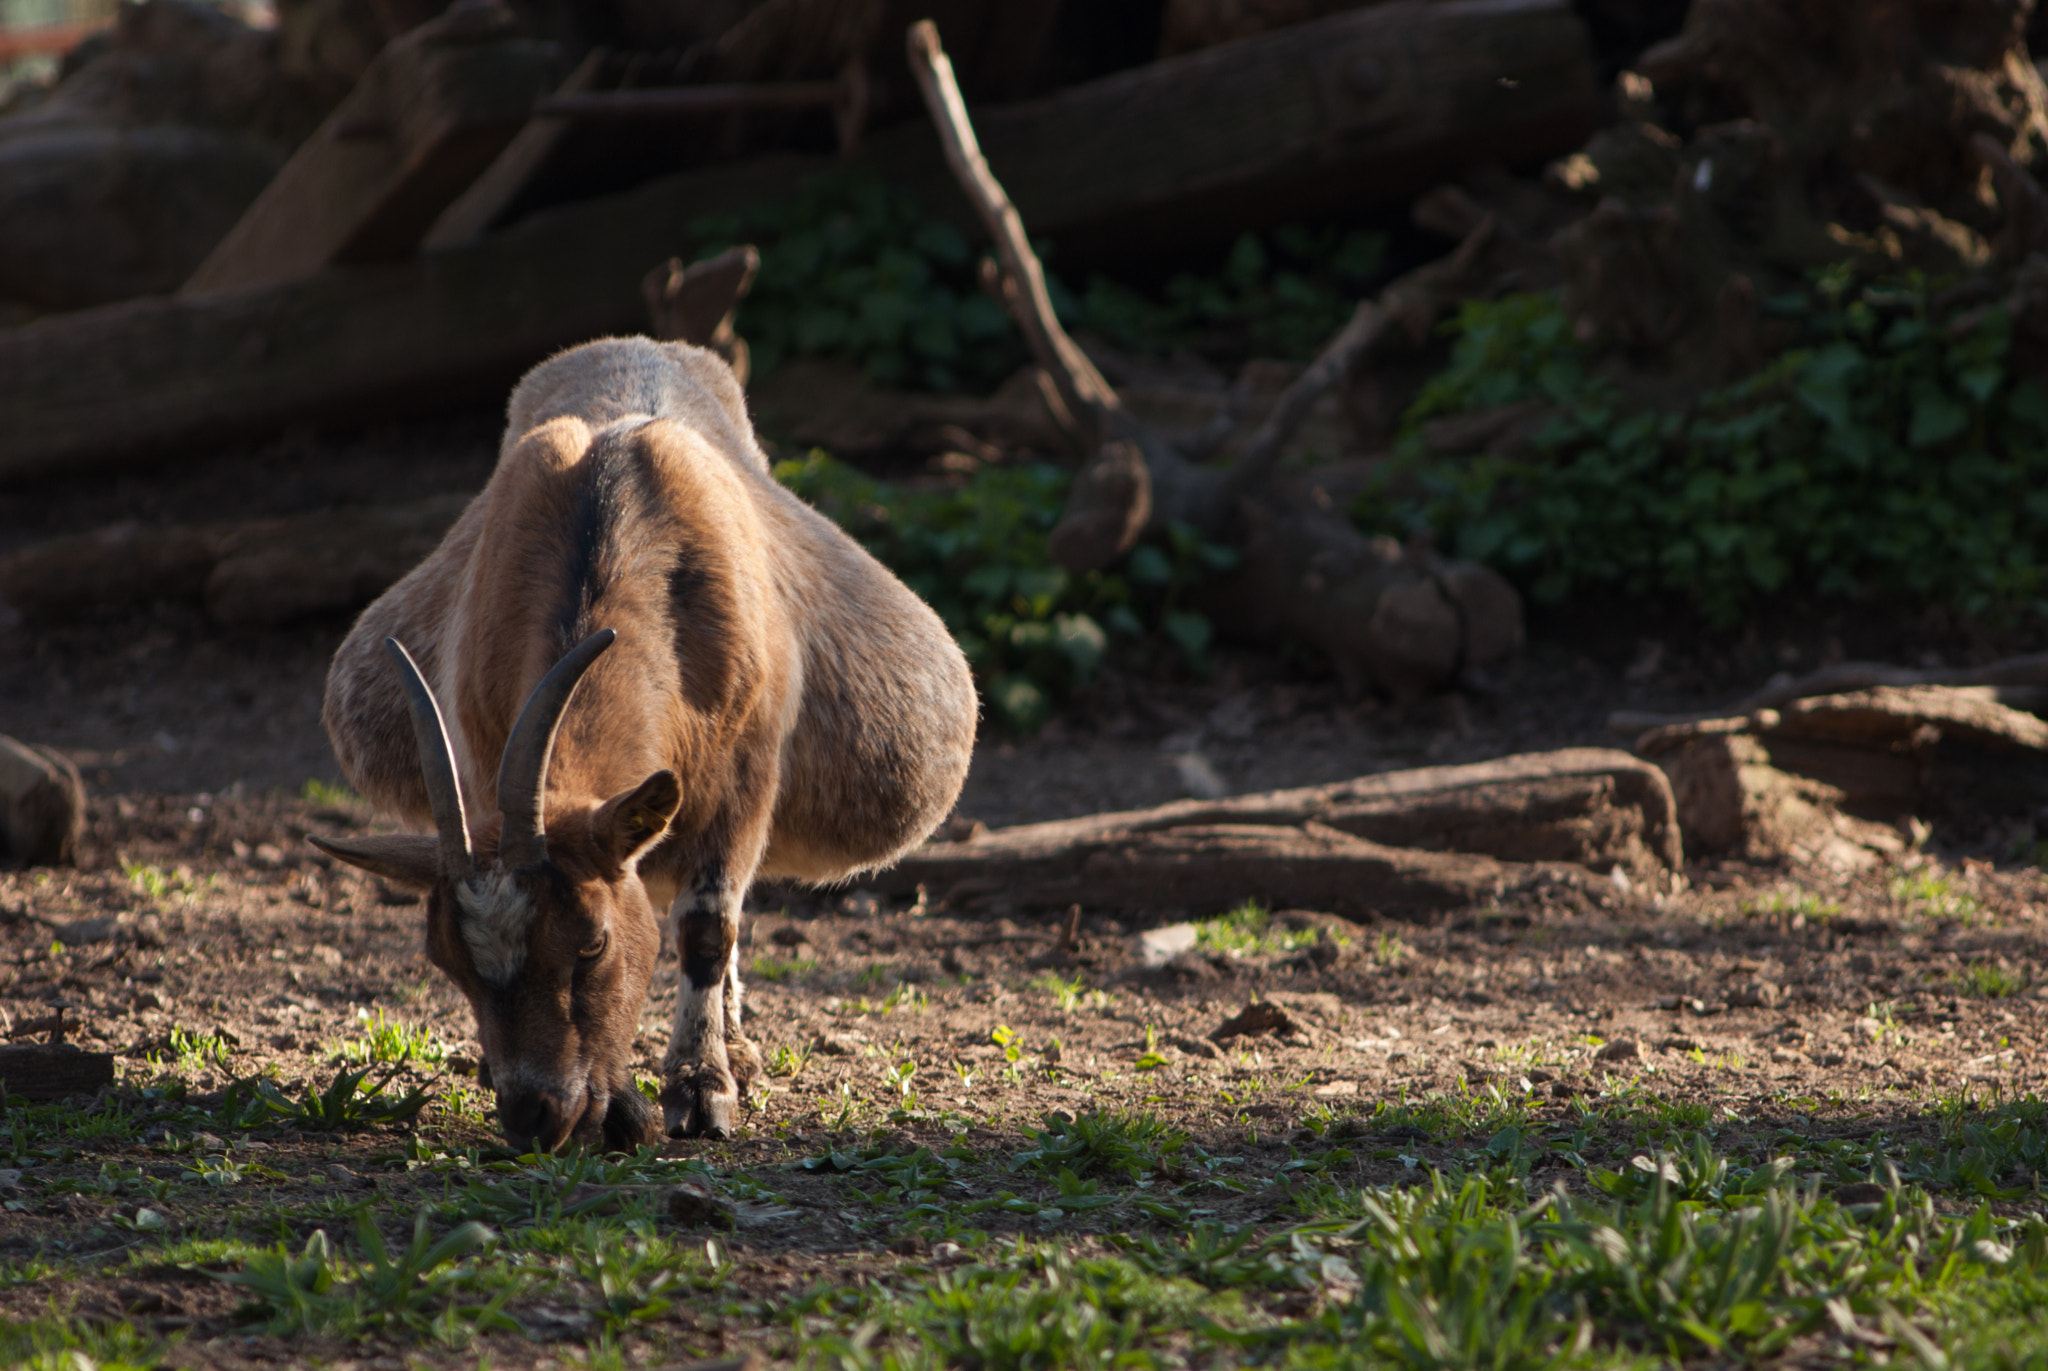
(1402, 842)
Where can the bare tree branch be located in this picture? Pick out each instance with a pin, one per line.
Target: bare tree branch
(1086, 394)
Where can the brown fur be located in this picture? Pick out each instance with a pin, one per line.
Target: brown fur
(812, 715)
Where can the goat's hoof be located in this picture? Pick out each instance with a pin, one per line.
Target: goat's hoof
(698, 1109)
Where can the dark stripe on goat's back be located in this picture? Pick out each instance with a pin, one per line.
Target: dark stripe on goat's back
(614, 488)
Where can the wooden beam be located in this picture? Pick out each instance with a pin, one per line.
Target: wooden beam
(432, 111)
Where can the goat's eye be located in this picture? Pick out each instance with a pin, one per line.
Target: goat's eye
(596, 947)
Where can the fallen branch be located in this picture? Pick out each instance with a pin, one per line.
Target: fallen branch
(255, 574)
(1399, 621)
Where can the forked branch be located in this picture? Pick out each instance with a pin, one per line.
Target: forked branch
(1086, 394)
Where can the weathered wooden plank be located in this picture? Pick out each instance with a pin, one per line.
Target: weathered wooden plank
(431, 113)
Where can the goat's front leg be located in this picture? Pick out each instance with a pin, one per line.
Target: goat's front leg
(709, 1061)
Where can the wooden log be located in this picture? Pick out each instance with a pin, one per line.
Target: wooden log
(2021, 682)
(349, 342)
(55, 1071)
(1368, 107)
(432, 111)
(1835, 778)
(1399, 843)
(255, 574)
(1121, 164)
(42, 806)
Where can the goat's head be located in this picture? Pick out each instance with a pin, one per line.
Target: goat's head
(552, 939)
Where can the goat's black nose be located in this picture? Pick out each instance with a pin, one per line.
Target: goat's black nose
(535, 1120)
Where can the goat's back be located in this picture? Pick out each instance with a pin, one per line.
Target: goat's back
(759, 647)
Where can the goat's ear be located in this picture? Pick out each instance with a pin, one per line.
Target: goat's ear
(634, 821)
(408, 858)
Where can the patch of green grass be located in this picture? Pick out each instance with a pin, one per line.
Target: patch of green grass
(61, 1342)
(1248, 930)
(426, 1286)
(350, 1100)
(190, 1053)
(789, 1060)
(382, 1039)
(1792, 908)
(1038, 1307)
(1993, 980)
(155, 882)
(1934, 897)
(1115, 1143)
(776, 970)
(329, 796)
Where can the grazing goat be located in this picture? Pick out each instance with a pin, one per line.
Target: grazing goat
(655, 674)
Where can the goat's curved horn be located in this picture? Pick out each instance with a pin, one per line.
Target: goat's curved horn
(437, 765)
(523, 774)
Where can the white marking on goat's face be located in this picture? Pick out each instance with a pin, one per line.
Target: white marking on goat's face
(495, 915)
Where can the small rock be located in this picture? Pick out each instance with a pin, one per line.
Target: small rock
(1670, 1001)
(1755, 995)
(1620, 1050)
(835, 1045)
(80, 932)
(1256, 1020)
(10, 1180)
(1158, 946)
(326, 954)
(694, 1204)
(1538, 985)
(1860, 1192)
(147, 999)
(268, 856)
(1335, 1088)
(948, 1252)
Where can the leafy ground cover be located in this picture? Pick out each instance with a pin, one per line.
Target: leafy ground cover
(1889, 451)
(1547, 1133)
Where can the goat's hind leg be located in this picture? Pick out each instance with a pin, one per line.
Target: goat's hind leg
(699, 1090)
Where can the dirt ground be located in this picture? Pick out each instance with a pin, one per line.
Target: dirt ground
(1766, 1000)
